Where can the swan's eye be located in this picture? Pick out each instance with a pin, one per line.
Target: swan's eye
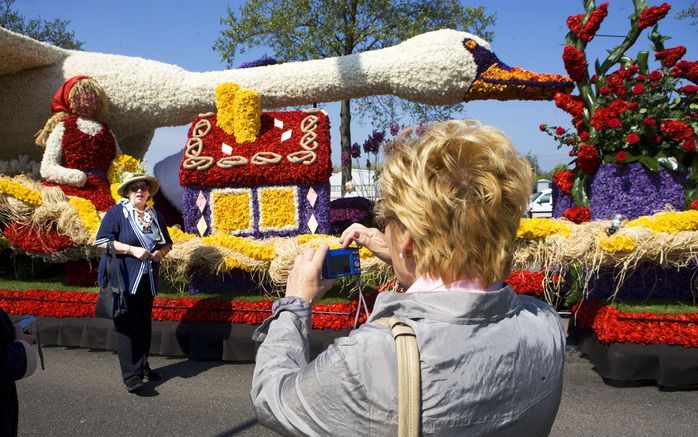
(469, 44)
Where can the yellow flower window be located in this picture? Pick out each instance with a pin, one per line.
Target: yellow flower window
(278, 209)
(231, 210)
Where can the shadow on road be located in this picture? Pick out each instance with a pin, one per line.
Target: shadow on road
(182, 369)
(244, 426)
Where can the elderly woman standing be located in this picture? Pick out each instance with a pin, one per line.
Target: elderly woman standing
(491, 361)
(141, 241)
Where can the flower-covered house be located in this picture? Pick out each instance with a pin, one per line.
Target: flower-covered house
(275, 184)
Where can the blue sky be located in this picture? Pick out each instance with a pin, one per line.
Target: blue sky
(528, 34)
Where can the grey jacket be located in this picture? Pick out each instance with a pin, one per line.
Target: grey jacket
(491, 364)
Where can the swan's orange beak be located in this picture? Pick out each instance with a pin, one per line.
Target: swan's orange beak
(496, 80)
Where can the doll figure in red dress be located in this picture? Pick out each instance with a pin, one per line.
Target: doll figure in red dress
(78, 145)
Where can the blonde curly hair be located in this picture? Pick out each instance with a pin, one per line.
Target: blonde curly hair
(460, 189)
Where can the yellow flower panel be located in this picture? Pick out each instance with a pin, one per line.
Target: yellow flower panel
(231, 210)
(247, 120)
(20, 192)
(87, 214)
(617, 243)
(670, 222)
(541, 228)
(225, 96)
(256, 251)
(278, 209)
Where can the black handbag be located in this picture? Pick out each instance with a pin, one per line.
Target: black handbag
(111, 303)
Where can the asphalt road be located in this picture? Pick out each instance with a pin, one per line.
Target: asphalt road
(80, 394)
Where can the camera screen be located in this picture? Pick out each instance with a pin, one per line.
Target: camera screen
(339, 264)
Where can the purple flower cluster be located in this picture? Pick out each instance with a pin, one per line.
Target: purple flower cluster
(232, 282)
(374, 141)
(561, 202)
(394, 129)
(261, 62)
(634, 191)
(647, 281)
(355, 150)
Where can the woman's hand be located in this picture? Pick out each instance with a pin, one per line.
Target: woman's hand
(372, 238)
(21, 335)
(305, 278)
(141, 253)
(158, 255)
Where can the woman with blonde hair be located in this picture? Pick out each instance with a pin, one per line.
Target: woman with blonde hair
(78, 145)
(490, 361)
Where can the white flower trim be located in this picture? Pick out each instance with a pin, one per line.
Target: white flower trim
(51, 168)
(89, 127)
(296, 208)
(227, 191)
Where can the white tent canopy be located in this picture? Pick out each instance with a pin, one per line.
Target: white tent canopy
(363, 183)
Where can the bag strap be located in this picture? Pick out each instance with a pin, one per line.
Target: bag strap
(112, 263)
(409, 376)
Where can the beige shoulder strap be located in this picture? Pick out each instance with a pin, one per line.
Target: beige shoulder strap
(408, 370)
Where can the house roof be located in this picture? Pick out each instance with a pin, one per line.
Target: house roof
(293, 147)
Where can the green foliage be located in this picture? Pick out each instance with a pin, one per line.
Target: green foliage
(53, 32)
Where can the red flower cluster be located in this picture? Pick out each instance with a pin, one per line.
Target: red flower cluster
(633, 138)
(689, 145)
(650, 16)
(575, 63)
(269, 145)
(586, 33)
(670, 57)
(613, 326)
(81, 273)
(564, 181)
(689, 89)
(621, 156)
(33, 240)
(694, 204)
(573, 105)
(588, 159)
(526, 282)
(60, 304)
(686, 70)
(676, 130)
(609, 116)
(577, 214)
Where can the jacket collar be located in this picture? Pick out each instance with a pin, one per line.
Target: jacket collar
(459, 307)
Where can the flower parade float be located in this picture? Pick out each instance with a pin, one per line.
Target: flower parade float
(255, 182)
(633, 181)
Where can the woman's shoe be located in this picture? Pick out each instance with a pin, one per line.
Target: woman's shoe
(134, 385)
(151, 375)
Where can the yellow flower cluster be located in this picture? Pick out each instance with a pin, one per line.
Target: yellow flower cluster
(178, 235)
(120, 165)
(225, 96)
(232, 210)
(86, 213)
(277, 209)
(617, 243)
(248, 116)
(239, 112)
(670, 222)
(541, 228)
(333, 243)
(245, 247)
(20, 192)
(231, 263)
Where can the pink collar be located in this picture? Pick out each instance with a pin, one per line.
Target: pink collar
(425, 283)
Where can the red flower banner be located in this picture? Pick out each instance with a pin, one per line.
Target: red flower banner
(60, 304)
(613, 326)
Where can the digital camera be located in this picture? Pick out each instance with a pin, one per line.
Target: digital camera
(341, 262)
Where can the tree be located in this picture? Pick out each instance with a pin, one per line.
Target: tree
(53, 32)
(299, 30)
(690, 12)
